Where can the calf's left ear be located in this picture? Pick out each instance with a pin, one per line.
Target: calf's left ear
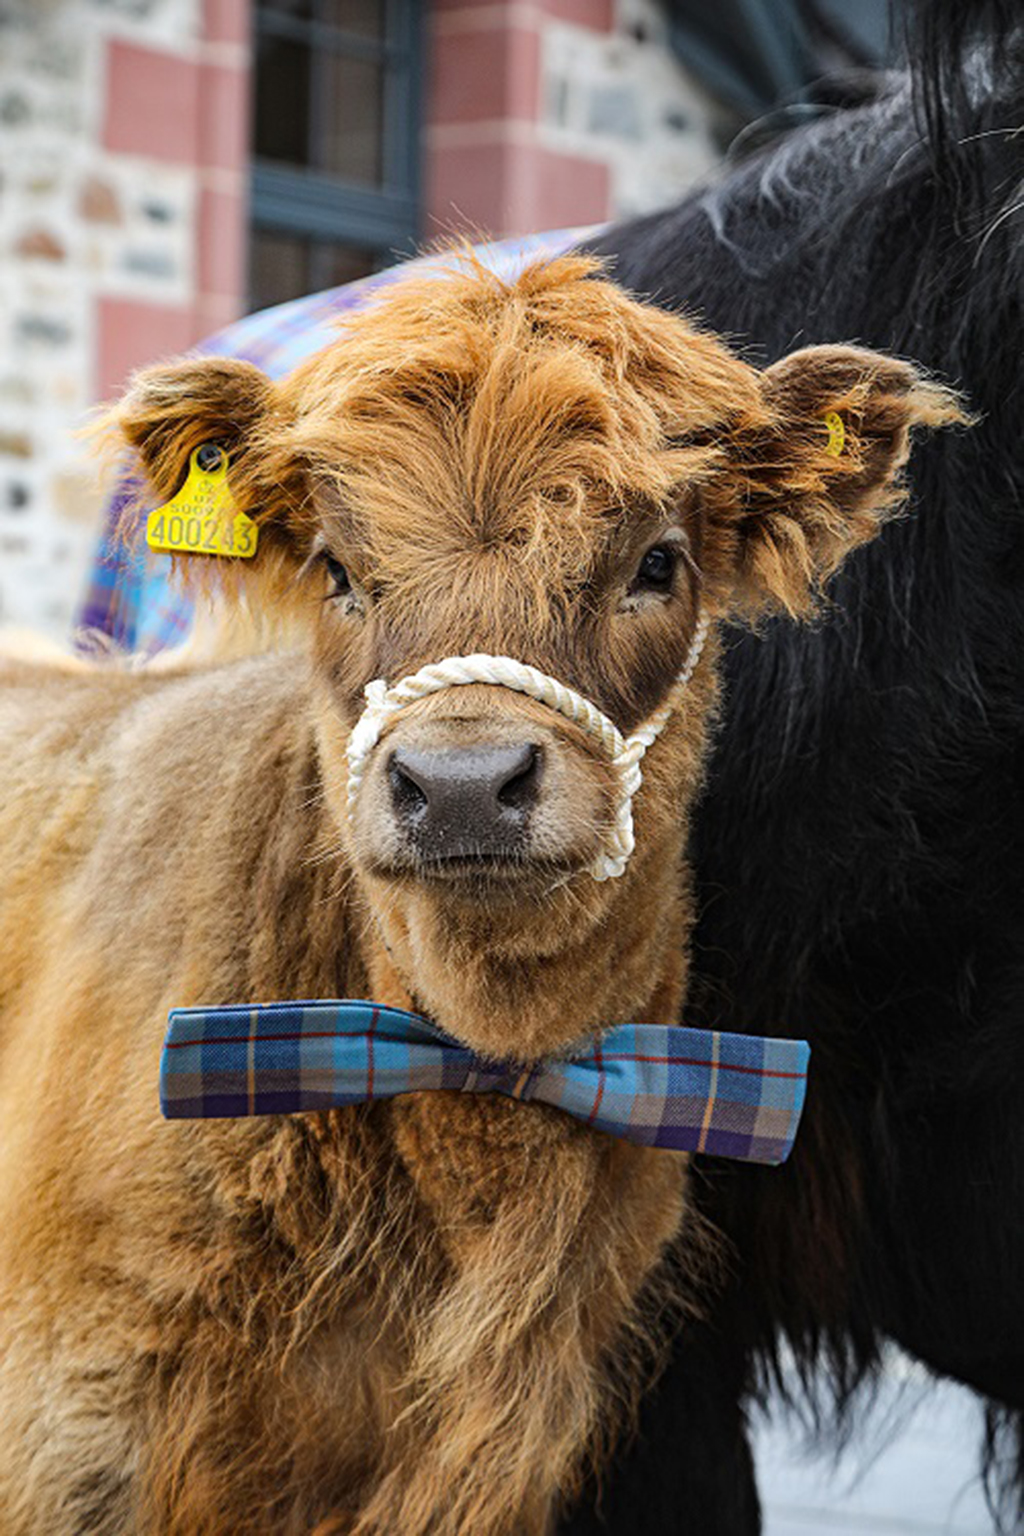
(820, 474)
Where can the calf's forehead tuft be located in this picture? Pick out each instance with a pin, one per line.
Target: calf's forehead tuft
(465, 411)
(460, 322)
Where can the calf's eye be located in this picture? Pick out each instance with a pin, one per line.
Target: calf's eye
(656, 569)
(340, 583)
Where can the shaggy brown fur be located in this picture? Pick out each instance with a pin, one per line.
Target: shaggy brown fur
(411, 1318)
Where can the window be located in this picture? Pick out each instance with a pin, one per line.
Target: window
(336, 142)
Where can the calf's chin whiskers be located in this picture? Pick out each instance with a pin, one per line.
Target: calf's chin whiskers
(560, 882)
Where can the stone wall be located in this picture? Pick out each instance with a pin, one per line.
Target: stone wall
(621, 96)
(549, 112)
(121, 238)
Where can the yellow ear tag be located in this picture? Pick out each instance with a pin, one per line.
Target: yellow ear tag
(836, 433)
(201, 519)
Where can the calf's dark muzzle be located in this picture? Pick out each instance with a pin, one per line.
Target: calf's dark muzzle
(472, 801)
(474, 781)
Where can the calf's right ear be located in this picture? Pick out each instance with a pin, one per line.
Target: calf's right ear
(170, 410)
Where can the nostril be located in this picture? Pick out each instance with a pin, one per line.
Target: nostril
(409, 799)
(519, 791)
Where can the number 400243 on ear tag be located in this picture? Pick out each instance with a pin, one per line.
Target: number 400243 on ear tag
(201, 518)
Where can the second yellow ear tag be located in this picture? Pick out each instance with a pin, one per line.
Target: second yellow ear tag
(201, 519)
(836, 433)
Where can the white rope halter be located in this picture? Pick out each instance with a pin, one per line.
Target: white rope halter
(624, 752)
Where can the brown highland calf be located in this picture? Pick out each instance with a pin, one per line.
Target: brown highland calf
(413, 1318)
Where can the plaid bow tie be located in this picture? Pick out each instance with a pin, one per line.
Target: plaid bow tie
(693, 1090)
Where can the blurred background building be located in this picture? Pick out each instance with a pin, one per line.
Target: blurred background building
(167, 165)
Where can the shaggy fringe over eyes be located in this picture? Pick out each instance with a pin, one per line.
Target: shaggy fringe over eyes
(464, 416)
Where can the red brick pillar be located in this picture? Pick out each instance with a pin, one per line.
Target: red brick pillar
(184, 109)
(487, 167)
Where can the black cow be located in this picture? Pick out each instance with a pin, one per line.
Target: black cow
(861, 848)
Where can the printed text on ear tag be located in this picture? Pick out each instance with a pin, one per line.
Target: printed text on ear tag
(836, 433)
(201, 519)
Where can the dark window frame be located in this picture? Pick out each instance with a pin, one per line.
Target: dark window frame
(314, 205)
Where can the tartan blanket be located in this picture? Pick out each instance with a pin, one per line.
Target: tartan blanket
(691, 1090)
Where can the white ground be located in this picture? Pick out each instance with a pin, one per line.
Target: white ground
(912, 1470)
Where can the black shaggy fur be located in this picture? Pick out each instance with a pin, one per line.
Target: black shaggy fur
(861, 849)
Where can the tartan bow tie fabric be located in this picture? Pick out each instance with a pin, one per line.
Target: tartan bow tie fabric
(692, 1090)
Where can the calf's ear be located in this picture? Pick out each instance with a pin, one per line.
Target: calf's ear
(820, 474)
(170, 410)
